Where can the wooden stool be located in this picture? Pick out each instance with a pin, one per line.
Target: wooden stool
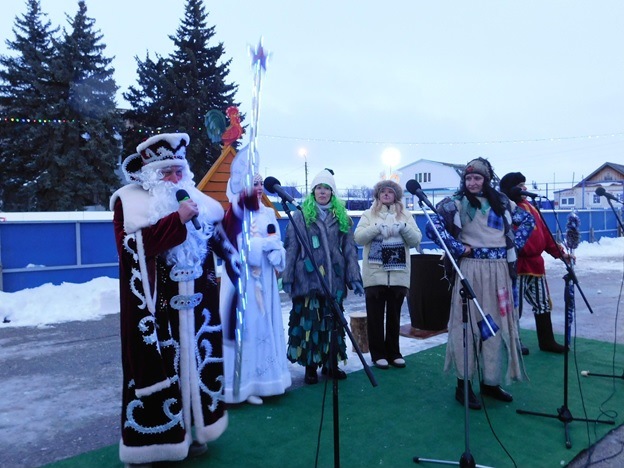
(358, 330)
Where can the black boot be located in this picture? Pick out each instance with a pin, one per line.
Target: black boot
(545, 337)
(473, 401)
(340, 374)
(496, 391)
(311, 377)
(524, 349)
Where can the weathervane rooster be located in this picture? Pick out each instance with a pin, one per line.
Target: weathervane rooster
(217, 128)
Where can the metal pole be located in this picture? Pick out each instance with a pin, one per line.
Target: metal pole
(305, 165)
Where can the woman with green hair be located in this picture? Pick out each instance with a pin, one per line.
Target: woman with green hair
(327, 230)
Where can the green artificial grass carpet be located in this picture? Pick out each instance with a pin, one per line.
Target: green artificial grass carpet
(413, 413)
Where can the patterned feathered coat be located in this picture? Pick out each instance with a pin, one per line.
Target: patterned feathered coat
(335, 254)
(171, 336)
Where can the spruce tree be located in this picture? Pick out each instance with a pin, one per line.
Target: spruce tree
(64, 156)
(87, 146)
(26, 83)
(175, 93)
(147, 100)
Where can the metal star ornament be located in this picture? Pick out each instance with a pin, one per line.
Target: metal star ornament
(259, 56)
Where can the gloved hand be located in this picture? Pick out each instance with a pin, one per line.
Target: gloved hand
(275, 257)
(287, 288)
(398, 228)
(235, 263)
(357, 287)
(384, 230)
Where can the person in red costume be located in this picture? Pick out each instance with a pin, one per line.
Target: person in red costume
(531, 271)
(171, 337)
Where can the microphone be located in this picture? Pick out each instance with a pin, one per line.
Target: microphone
(413, 187)
(182, 195)
(272, 185)
(517, 191)
(601, 192)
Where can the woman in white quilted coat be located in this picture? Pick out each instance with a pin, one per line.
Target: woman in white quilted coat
(387, 231)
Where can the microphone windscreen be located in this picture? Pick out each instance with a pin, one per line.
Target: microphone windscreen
(271, 229)
(269, 183)
(182, 195)
(600, 191)
(412, 186)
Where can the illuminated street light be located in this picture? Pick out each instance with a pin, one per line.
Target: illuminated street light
(391, 157)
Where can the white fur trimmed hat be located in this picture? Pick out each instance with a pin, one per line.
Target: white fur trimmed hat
(382, 184)
(158, 151)
(326, 176)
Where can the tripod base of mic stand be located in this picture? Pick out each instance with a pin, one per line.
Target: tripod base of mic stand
(565, 416)
(466, 461)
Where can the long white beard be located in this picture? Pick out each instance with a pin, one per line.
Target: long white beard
(163, 201)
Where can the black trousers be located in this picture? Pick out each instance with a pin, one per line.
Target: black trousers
(384, 302)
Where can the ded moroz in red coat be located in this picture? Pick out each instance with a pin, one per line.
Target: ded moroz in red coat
(172, 341)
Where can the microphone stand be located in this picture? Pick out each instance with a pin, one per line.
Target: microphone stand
(466, 460)
(337, 317)
(614, 376)
(563, 412)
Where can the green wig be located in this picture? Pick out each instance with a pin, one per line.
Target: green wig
(336, 206)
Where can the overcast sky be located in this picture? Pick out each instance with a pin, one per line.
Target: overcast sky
(535, 86)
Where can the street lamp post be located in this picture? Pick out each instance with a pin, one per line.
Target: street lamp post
(304, 154)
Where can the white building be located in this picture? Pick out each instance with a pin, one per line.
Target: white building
(437, 180)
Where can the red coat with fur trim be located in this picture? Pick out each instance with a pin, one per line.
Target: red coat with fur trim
(530, 261)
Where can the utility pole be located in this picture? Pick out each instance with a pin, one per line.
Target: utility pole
(304, 154)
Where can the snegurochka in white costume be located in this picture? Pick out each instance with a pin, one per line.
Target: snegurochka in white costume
(264, 368)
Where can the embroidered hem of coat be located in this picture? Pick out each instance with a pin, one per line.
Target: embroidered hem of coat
(141, 392)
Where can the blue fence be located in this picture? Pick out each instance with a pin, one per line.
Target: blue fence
(33, 253)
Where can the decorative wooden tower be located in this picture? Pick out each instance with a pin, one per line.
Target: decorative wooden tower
(214, 183)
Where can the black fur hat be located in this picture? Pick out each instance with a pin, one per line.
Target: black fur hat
(511, 180)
